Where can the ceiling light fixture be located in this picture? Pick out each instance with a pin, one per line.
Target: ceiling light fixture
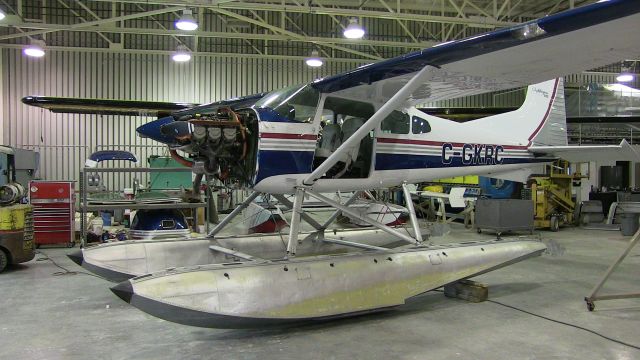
(36, 49)
(314, 60)
(353, 30)
(2, 14)
(187, 22)
(182, 54)
(625, 75)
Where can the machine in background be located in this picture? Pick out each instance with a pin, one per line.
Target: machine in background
(16, 220)
(552, 195)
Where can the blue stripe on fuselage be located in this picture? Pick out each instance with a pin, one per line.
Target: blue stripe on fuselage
(405, 161)
(274, 162)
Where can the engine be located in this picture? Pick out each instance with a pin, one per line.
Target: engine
(224, 143)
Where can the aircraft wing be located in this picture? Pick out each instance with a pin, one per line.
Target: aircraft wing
(622, 152)
(553, 46)
(105, 106)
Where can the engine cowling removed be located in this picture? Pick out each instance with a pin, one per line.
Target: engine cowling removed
(224, 143)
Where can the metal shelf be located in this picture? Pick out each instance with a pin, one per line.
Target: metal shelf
(133, 206)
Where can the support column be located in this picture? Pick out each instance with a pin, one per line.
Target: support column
(412, 212)
(295, 222)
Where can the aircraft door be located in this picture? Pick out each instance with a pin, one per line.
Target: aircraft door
(338, 121)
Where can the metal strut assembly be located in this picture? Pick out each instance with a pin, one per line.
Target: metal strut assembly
(233, 214)
(283, 200)
(412, 211)
(366, 219)
(295, 221)
(594, 293)
(332, 218)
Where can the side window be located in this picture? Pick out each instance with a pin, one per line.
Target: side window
(396, 123)
(420, 126)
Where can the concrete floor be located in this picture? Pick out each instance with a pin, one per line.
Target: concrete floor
(44, 316)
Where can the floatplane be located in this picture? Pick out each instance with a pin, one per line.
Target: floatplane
(361, 130)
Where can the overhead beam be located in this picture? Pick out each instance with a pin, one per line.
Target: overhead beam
(195, 53)
(313, 9)
(291, 34)
(90, 24)
(221, 34)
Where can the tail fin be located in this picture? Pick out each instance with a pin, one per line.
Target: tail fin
(545, 103)
(541, 119)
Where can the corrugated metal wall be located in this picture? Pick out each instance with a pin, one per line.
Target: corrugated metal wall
(66, 140)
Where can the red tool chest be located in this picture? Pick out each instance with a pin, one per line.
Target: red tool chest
(53, 211)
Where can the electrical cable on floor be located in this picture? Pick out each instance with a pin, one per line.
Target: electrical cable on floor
(560, 322)
(64, 271)
(567, 324)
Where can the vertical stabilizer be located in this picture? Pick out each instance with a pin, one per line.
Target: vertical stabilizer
(552, 130)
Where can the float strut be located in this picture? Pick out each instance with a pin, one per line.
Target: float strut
(233, 214)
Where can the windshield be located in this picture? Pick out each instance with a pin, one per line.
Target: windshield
(296, 103)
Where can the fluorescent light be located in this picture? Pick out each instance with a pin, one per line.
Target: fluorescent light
(2, 15)
(314, 60)
(625, 77)
(36, 49)
(181, 55)
(186, 21)
(353, 30)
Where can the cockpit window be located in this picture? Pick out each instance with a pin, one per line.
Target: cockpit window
(420, 126)
(296, 103)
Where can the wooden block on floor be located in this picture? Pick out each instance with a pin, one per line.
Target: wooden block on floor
(467, 290)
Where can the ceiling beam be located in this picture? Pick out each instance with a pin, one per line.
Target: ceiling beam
(221, 34)
(90, 24)
(355, 62)
(292, 35)
(313, 9)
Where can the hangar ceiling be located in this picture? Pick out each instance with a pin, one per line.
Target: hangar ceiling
(286, 29)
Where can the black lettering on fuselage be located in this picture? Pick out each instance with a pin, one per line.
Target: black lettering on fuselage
(473, 154)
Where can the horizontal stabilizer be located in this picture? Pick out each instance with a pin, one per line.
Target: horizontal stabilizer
(622, 152)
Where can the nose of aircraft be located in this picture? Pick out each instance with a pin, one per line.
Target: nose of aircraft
(124, 290)
(76, 257)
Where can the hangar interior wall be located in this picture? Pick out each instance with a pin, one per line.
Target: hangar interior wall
(66, 140)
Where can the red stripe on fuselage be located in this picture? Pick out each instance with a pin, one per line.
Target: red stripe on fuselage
(439, 143)
(289, 136)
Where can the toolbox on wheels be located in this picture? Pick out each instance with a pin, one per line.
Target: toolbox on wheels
(53, 212)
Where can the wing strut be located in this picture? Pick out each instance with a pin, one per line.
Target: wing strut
(395, 102)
